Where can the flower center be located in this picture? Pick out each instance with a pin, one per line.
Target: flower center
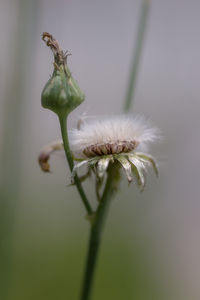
(110, 148)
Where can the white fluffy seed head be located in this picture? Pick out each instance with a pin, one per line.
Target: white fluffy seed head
(113, 131)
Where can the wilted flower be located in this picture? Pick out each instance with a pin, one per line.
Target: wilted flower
(100, 142)
(45, 153)
(97, 143)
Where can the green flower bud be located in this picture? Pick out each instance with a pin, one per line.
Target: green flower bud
(61, 93)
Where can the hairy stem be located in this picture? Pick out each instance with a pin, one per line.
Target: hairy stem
(63, 126)
(96, 230)
(137, 55)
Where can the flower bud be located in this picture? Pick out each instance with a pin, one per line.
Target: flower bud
(61, 93)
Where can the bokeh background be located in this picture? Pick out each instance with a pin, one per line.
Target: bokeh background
(151, 245)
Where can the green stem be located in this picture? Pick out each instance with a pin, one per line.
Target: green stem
(63, 126)
(137, 55)
(96, 232)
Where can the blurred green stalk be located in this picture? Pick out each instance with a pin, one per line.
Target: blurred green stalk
(142, 26)
(13, 138)
(96, 229)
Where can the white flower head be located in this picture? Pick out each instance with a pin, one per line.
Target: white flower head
(97, 143)
(112, 135)
(115, 138)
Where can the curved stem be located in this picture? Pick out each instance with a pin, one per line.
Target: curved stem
(96, 231)
(137, 55)
(63, 126)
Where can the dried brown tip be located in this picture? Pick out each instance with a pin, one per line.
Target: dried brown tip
(51, 42)
(46, 152)
(59, 55)
(43, 162)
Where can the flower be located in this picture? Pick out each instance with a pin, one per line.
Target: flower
(97, 143)
(100, 142)
(111, 135)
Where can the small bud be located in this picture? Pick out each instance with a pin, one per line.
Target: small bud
(61, 93)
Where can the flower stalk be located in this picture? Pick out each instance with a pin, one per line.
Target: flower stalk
(63, 127)
(142, 25)
(96, 229)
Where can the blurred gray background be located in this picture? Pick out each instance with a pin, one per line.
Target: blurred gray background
(151, 245)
